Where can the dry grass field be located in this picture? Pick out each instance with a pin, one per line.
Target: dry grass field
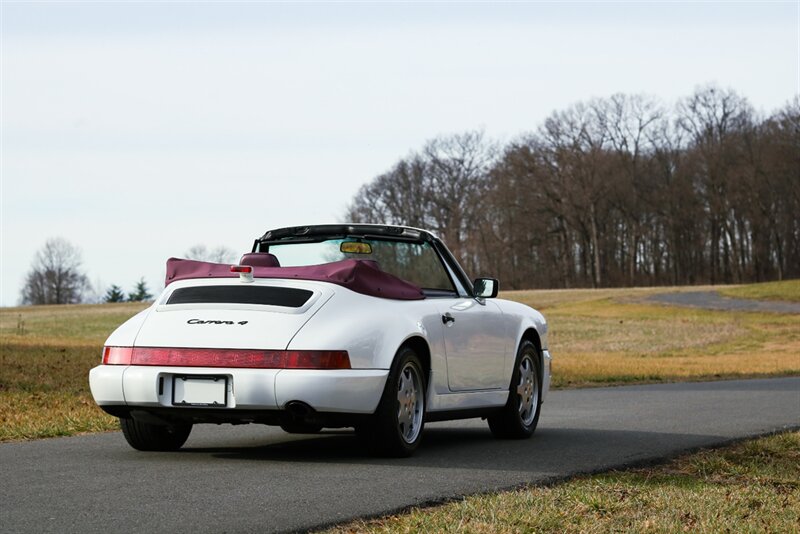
(45, 356)
(598, 337)
(614, 336)
(787, 291)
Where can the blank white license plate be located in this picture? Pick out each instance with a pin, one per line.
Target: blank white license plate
(199, 391)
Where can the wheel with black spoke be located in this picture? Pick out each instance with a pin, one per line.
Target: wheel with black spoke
(400, 418)
(519, 417)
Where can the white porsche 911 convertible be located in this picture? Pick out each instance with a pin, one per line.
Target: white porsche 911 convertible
(366, 326)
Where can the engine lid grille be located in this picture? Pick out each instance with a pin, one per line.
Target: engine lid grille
(288, 297)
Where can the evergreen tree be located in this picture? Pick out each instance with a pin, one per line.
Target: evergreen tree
(114, 294)
(140, 292)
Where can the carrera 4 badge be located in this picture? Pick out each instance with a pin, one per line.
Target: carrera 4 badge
(212, 321)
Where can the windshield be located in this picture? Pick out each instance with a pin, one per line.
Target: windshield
(417, 263)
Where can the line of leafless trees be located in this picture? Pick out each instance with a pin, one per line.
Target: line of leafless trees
(617, 191)
(57, 276)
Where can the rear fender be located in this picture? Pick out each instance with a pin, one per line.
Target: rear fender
(125, 334)
(371, 329)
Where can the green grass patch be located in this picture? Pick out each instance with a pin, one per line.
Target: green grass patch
(749, 487)
(786, 290)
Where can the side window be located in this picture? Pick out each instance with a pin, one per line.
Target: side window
(417, 263)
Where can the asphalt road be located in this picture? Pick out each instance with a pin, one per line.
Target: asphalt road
(712, 300)
(258, 479)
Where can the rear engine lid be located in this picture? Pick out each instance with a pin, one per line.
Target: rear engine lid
(225, 313)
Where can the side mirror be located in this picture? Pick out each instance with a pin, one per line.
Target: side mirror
(485, 288)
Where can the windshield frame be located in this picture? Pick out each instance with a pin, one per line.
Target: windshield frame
(453, 275)
(323, 232)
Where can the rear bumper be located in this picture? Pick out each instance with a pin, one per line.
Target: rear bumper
(121, 389)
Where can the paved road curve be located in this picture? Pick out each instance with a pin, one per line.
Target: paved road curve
(255, 479)
(712, 300)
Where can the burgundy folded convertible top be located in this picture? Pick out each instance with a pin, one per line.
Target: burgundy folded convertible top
(361, 276)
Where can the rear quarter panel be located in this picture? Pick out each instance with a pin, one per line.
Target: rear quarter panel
(125, 334)
(371, 329)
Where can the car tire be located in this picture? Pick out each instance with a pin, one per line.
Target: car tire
(520, 415)
(397, 427)
(149, 437)
(300, 428)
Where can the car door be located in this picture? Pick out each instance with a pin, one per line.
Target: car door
(475, 344)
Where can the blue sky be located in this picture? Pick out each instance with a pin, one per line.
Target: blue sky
(136, 130)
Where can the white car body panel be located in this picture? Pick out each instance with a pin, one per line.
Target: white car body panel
(254, 326)
(462, 375)
(124, 335)
(105, 382)
(521, 319)
(344, 391)
(476, 344)
(370, 329)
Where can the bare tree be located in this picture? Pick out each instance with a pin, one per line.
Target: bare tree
(458, 170)
(714, 119)
(520, 229)
(439, 188)
(614, 191)
(633, 127)
(220, 254)
(774, 182)
(575, 147)
(399, 196)
(55, 276)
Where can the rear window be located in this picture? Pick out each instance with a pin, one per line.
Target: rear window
(288, 297)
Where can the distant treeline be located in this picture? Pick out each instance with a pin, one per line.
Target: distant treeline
(617, 191)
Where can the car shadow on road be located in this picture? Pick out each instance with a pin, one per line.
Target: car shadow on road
(475, 448)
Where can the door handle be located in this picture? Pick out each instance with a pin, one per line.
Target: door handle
(448, 319)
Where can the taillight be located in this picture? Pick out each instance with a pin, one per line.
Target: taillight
(263, 359)
(235, 358)
(317, 359)
(117, 355)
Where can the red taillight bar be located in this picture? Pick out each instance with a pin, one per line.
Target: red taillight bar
(235, 358)
(117, 355)
(317, 359)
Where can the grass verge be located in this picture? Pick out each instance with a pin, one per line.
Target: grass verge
(786, 290)
(753, 486)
